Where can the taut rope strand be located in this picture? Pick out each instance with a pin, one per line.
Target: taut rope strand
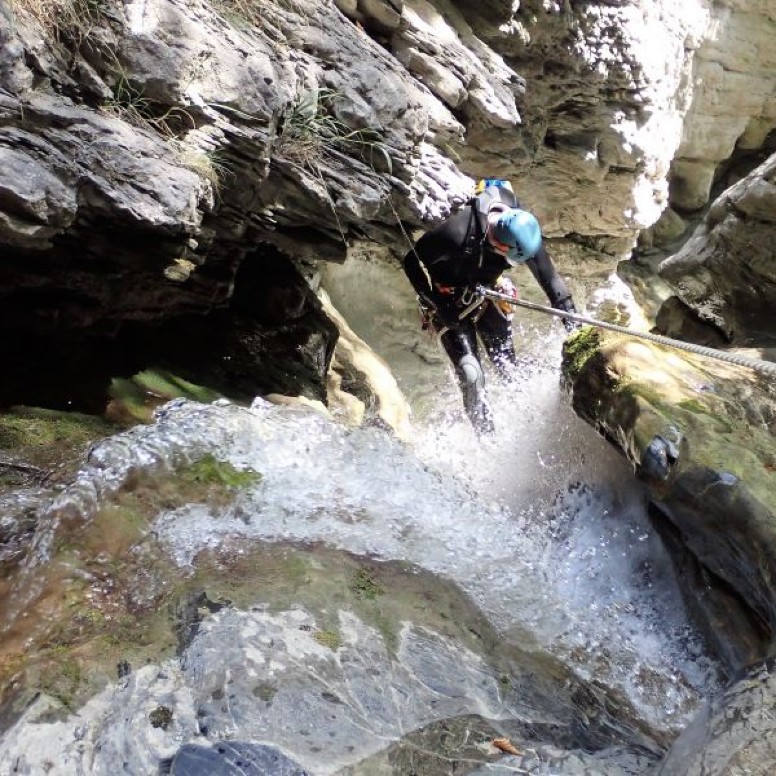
(763, 367)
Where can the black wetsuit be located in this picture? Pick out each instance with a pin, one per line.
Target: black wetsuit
(454, 257)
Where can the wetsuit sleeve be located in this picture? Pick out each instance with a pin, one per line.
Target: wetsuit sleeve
(434, 250)
(551, 282)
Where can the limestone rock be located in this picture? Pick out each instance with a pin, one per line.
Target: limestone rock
(386, 16)
(732, 103)
(363, 374)
(228, 757)
(57, 168)
(700, 435)
(667, 229)
(570, 103)
(733, 733)
(725, 272)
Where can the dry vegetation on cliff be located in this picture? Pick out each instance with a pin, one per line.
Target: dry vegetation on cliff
(64, 20)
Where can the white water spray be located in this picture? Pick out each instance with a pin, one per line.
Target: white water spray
(572, 553)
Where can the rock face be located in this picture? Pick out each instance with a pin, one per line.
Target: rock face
(700, 436)
(734, 733)
(148, 147)
(725, 272)
(733, 107)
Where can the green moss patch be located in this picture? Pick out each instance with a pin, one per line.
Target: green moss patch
(364, 586)
(578, 349)
(161, 717)
(45, 442)
(210, 471)
(330, 639)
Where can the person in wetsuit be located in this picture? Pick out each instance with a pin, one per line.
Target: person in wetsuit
(474, 246)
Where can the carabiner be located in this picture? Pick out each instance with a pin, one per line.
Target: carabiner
(468, 296)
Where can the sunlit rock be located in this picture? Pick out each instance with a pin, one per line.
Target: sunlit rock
(698, 432)
(145, 167)
(367, 377)
(726, 272)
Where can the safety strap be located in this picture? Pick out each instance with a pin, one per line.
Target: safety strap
(474, 234)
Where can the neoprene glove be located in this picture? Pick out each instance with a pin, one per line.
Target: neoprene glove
(567, 305)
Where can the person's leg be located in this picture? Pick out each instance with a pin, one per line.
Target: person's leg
(460, 344)
(495, 330)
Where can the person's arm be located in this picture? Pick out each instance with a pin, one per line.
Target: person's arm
(552, 284)
(431, 247)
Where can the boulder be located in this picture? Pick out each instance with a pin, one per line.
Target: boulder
(699, 433)
(726, 272)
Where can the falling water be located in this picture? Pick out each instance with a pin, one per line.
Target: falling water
(582, 571)
(543, 527)
(572, 551)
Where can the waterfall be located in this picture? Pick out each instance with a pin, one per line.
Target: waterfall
(369, 591)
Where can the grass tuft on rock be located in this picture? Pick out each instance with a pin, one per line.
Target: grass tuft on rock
(364, 586)
(65, 21)
(328, 638)
(43, 443)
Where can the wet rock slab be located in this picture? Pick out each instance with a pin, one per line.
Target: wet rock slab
(231, 758)
(274, 694)
(226, 630)
(735, 733)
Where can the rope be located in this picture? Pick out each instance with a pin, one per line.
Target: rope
(767, 368)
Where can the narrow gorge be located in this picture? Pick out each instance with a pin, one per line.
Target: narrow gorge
(244, 525)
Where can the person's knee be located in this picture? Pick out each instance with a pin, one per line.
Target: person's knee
(470, 371)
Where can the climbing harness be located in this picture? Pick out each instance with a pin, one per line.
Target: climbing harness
(473, 305)
(763, 367)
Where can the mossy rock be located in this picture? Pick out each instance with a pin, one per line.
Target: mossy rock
(327, 638)
(208, 470)
(46, 443)
(578, 349)
(699, 434)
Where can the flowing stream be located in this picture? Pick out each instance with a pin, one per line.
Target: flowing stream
(575, 558)
(561, 603)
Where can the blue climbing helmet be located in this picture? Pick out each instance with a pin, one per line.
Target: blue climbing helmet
(520, 231)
